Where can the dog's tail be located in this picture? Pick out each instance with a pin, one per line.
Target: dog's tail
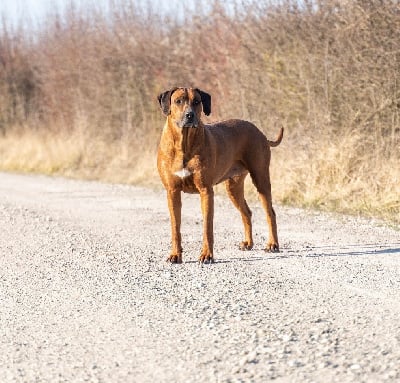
(278, 140)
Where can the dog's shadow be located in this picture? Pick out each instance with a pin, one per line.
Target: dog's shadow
(308, 251)
(247, 258)
(275, 256)
(355, 250)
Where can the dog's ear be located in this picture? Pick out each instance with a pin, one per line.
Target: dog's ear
(206, 101)
(165, 101)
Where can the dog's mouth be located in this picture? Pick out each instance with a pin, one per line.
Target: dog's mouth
(188, 124)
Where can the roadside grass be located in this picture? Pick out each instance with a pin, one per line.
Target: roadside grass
(77, 156)
(323, 178)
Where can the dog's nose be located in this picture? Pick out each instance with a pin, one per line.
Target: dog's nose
(190, 115)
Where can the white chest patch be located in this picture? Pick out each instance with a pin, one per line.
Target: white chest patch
(183, 173)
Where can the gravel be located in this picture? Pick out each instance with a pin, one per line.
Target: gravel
(86, 294)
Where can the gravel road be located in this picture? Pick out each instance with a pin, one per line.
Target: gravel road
(85, 294)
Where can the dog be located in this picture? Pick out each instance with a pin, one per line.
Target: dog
(193, 157)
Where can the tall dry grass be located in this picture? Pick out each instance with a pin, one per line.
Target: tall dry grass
(78, 92)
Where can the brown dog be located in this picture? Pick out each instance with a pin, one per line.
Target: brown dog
(193, 157)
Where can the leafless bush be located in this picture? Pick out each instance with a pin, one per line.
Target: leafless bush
(328, 70)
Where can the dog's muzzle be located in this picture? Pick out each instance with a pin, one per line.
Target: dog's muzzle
(189, 120)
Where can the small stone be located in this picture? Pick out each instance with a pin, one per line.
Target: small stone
(295, 363)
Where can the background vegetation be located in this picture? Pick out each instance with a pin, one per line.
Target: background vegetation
(78, 92)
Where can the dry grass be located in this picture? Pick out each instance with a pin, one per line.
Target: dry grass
(76, 156)
(78, 97)
(337, 174)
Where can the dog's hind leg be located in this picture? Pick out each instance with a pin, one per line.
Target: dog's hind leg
(235, 189)
(262, 183)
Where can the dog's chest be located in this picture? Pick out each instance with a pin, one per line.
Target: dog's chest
(185, 168)
(186, 176)
(189, 185)
(183, 173)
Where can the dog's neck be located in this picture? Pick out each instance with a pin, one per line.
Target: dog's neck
(186, 142)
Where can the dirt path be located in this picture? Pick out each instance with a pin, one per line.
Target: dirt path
(85, 294)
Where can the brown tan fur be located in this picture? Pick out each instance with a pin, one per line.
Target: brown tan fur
(193, 157)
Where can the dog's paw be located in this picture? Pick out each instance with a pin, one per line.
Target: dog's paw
(174, 258)
(272, 248)
(245, 246)
(206, 258)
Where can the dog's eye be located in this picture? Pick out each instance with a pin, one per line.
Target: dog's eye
(179, 101)
(196, 102)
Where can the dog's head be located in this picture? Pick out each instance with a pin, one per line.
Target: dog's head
(184, 105)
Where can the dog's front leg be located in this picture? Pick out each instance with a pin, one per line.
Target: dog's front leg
(175, 208)
(207, 208)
